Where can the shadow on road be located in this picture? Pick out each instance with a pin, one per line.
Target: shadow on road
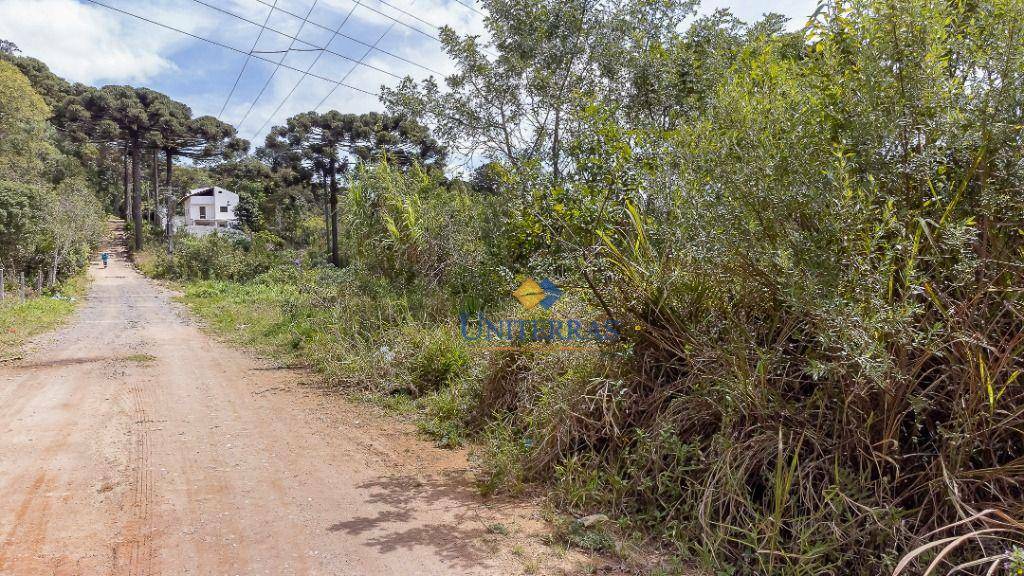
(438, 512)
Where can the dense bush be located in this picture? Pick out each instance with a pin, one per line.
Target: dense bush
(829, 300)
(219, 256)
(410, 228)
(50, 219)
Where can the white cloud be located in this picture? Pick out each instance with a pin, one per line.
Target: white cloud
(83, 43)
(367, 26)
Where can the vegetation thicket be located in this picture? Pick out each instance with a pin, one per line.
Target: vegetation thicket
(49, 217)
(813, 241)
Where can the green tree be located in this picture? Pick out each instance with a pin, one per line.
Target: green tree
(8, 47)
(23, 126)
(46, 210)
(127, 116)
(554, 57)
(325, 147)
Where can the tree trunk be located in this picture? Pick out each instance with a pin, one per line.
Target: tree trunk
(172, 206)
(137, 190)
(21, 286)
(325, 204)
(155, 192)
(3, 282)
(555, 152)
(168, 167)
(39, 281)
(126, 205)
(53, 269)
(103, 174)
(335, 259)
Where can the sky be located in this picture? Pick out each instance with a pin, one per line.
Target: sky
(371, 43)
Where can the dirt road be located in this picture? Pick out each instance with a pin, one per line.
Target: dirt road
(134, 444)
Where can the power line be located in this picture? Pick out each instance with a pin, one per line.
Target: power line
(407, 13)
(286, 51)
(246, 62)
(336, 31)
(411, 15)
(471, 7)
(325, 49)
(336, 83)
(406, 24)
(347, 74)
(305, 20)
(358, 41)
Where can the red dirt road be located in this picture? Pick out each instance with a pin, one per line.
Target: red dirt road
(133, 444)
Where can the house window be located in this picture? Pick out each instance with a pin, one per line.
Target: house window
(223, 208)
(202, 212)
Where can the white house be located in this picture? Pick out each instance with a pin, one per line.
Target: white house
(209, 209)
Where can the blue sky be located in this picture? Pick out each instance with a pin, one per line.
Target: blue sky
(88, 43)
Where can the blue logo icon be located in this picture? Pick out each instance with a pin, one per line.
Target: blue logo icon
(532, 294)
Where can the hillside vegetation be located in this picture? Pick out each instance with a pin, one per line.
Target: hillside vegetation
(50, 219)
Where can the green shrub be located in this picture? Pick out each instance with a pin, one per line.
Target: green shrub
(831, 321)
(448, 413)
(502, 458)
(439, 359)
(19, 321)
(219, 256)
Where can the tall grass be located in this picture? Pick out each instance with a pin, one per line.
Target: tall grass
(826, 271)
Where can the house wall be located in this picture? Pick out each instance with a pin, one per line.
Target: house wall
(219, 207)
(194, 204)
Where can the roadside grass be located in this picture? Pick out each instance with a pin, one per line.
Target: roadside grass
(281, 320)
(523, 410)
(20, 321)
(147, 261)
(247, 314)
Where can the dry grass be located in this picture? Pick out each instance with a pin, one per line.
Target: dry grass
(989, 542)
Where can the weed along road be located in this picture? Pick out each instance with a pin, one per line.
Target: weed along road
(134, 444)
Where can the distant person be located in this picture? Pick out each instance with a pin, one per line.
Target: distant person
(104, 256)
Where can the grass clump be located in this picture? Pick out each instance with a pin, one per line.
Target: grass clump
(20, 321)
(447, 413)
(498, 529)
(439, 360)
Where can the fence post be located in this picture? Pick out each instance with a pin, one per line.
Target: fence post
(3, 287)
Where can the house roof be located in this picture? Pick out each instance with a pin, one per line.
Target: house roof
(205, 191)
